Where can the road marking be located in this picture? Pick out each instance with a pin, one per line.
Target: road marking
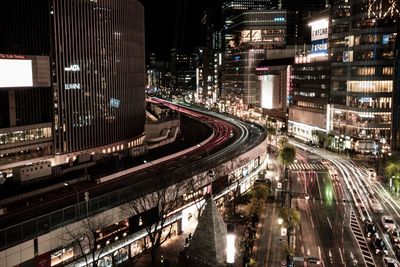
(329, 222)
(320, 256)
(362, 244)
(341, 256)
(319, 190)
(312, 223)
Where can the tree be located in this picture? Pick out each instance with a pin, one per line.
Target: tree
(329, 141)
(195, 186)
(320, 136)
(259, 195)
(165, 201)
(271, 131)
(392, 169)
(283, 141)
(291, 218)
(287, 154)
(84, 237)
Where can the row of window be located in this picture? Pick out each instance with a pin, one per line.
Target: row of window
(387, 40)
(25, 135)
(363, 71)
(310, 105)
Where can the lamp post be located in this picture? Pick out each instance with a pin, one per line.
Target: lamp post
(230, 244)
(77, 197)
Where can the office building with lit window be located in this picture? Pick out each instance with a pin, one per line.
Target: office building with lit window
(362, 73)
(85, 88)
(183, 71)
(309, 92)
(247, 37)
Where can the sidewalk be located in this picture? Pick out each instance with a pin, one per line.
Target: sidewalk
(267, 233)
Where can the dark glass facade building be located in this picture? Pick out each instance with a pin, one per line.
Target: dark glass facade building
(362, 73)
(25, 111)
(97, 68)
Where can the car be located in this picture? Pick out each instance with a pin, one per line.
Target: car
(314, 260)
(369, 228)
(371, 173)
(394, 236)
(375, 205)
(388, 222)
(379, 246)
(390, 262)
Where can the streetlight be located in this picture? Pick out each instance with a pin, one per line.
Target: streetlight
(280, 221)
(230, 244)
(77, 196)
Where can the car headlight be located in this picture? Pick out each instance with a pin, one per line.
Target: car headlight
(369, 234)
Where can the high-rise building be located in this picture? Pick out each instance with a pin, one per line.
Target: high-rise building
(232, 8)
(247, 38)
(362, 73)
(94, 97)
(309, 95)
(396, 95)
(298, 15)
(25, 86)
(183, 71)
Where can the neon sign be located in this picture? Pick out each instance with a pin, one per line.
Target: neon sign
(73, 68)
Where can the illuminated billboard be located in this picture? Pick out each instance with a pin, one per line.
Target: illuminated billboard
(261, 35)
(269, 91)
(16, 73)
(319, 37)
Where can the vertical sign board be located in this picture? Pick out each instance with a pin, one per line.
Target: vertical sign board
(319, 37)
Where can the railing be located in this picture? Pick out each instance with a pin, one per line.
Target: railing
(27, 230)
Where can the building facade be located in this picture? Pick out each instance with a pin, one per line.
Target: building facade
(80, 67)
(183, 71)
(99, 73)
(309, 96)
(247, 38)
(362, 73)
(90, 55)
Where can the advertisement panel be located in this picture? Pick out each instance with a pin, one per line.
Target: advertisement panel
(16, 73)
(319, 47)
(319, 37)
(269, 91)
(319, 29)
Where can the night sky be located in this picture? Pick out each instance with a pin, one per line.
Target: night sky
(174, 24)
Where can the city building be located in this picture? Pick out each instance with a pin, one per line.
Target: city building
(25, 86)
(209, 63)
(158, 76)
(247, 38)
(274, 84)
(362, 74)
(232, 8)
(89, 59)
(396, 97)
(298, 15)
(183, 71)
(309, 93)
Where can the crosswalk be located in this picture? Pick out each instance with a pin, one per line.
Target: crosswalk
(306, 166)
